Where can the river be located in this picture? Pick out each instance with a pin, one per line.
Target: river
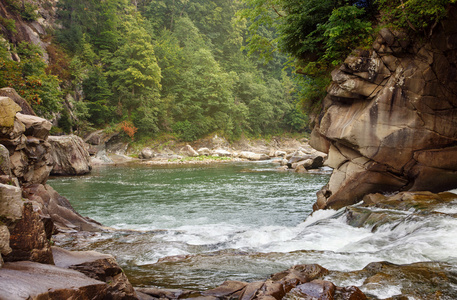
(197, 226)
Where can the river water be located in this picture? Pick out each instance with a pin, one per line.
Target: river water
(197, 226)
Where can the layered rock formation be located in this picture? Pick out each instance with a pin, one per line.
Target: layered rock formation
(389, 120)
(31, 212)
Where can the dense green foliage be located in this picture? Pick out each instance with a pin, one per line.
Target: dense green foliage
(319, 34)
(192, 68)
(416, 15)
(174, 66)
(30, 78)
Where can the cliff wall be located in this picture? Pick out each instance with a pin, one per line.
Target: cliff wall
(389, 120)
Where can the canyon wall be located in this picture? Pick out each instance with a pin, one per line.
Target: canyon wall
(390, 116)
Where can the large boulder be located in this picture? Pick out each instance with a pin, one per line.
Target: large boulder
(58, 208)
(10, 202)
(98, 266)
(35, 126)
(390, 118)
(4, 242)
(221, 152)
(8, 110)
(70, 155)
(24, 137)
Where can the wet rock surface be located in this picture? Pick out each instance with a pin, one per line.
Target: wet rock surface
(298, 282)
(424, 280)
(389, 118)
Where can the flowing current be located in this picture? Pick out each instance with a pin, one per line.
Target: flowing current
(197, 226)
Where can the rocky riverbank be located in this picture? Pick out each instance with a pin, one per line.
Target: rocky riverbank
(31, 212)
(292, 154)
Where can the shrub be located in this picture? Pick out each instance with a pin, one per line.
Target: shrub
(128, 128)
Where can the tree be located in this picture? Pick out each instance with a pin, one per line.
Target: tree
(134, 73)
(29, 78)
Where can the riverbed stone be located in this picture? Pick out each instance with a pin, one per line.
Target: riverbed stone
(228, 288)
(422, 280)
(155, 293)
(253, 156)
(316, 289)
(189, 151)
(146, 153)
(98, 266)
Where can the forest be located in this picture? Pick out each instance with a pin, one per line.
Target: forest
(193, 68)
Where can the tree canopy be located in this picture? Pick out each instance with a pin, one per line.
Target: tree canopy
(196, 67)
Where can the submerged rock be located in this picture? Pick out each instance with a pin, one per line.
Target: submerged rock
(381, 280)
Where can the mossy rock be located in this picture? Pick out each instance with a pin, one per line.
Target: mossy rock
(8, 110)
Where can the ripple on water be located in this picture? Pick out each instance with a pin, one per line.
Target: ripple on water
(218, 223)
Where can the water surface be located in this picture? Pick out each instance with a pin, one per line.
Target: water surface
(197, 226)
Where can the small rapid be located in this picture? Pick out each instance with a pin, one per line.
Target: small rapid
(195, 227)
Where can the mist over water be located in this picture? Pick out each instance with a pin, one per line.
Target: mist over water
(240, 221)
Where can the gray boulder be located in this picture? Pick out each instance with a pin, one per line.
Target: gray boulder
(70, 155)
(146, 153)
(253, 156)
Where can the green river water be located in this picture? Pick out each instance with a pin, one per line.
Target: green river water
(196, 226)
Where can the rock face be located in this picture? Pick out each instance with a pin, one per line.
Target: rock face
(389, 120)
(25, 138)
(31, 211)
(26, 225)
(70, 155)
(28, 239)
